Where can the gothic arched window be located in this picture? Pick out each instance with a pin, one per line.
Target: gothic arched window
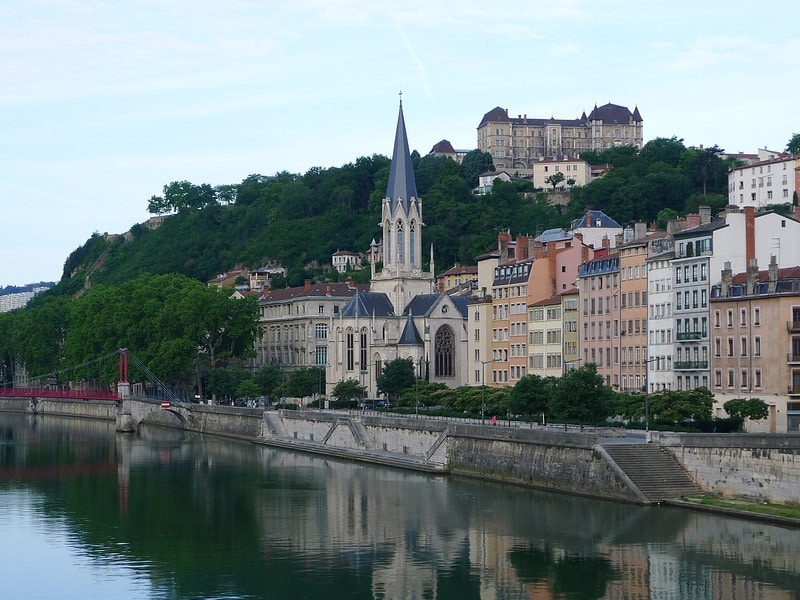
(444, 353)
(412, 241)
(350, 347)
(400, 242)
(387, 243)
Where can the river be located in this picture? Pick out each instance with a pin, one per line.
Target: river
(89, 513)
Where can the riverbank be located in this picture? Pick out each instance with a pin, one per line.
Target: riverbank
(570, 461)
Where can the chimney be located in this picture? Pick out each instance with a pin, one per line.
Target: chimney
(727, 280)
(552, 268)
(606, 242)
(639, 230)
(692, 220)
(538, 250)
(752, 276)
(773, 275)
(749, 235)
(307, 285)
(503, 238)
(522, 247)
(588, 219)
(705, 214)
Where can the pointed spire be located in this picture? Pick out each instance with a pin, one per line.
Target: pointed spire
(402, 186)
(410, 335)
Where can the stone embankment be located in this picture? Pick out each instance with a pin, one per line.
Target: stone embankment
(752, 467)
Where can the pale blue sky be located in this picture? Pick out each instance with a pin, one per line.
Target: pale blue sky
(102, 102)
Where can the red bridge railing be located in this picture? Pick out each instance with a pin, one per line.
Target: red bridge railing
(28, 392)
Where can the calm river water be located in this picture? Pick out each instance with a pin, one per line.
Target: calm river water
(88, 513)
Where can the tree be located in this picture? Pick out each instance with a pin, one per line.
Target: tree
(475, 163)
(303, 382)
(348, 390)
(581, 396)
(754, 409)
(793, 146)
(531, 394)
(397, 376)
(555, 179)
(675, 406)
(248, 389)
(269, 378)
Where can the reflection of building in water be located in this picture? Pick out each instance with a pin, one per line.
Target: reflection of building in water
(633, 574)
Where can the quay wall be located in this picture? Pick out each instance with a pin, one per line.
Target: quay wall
(749, 466)
(759, 467)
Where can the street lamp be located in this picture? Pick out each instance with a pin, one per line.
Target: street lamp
(483, 388)
(647, 397)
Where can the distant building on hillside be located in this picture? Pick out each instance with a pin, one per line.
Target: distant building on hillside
(445, 148)
(772, 179)
(15, 300)
(517, 143)
(344, 260)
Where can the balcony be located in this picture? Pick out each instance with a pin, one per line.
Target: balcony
(794, 390)
(793, 326)
(690, 365)
(793, 358)
(684, 336)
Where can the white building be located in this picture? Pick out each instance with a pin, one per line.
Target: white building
(770, 180)
(344, 260)
(661, 345)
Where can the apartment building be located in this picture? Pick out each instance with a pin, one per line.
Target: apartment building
(296, 323)
(633, 312)
(600, 315)
(545, 337)
(660, 344)
(517, 143)
(770, 180)
(756, 342)
(570, 314)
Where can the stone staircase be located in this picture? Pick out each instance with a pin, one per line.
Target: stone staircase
(652, 469)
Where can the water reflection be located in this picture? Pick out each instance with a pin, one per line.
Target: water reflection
(186, 516)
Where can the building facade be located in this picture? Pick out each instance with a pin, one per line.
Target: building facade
(517, 143)
(770, 180)
(756, 342)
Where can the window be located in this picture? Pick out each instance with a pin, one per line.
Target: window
(757, 346)
(730, 378)
(321, 331)
(729, 320)
(350, 347)
(362, 359)
(743, 317)
(743, 346)
(756, 316)
(444, 353)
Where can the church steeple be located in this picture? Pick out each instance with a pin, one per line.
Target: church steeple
(402, 186)
(401, 215)
(402, 277)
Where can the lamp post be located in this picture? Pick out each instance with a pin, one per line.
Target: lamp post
(483, 388)
(647, 397)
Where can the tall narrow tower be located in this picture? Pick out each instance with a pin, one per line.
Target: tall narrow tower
(402, 276)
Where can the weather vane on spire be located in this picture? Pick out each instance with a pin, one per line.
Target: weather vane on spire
(401, 97)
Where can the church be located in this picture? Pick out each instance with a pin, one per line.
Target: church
(401, 316)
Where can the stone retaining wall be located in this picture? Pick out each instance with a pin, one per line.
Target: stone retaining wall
(760, 467)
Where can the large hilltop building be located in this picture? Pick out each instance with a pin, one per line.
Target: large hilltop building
(517, 143)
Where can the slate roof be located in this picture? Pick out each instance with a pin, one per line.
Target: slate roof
(788, 282)
(551, 235)
(462, 303)
(421, 304)
(367, 304)
(402, 186)
(443, 147)
(614, 113)
(314, 290)
(410, 335)
(594, 215)
(712, 225)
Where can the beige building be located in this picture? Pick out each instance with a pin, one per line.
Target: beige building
(575, 170)
(517, 143)
(545, 337)
(297, 322)
(633, 315)
(755, 331)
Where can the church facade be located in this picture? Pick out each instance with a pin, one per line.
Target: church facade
(401, 316)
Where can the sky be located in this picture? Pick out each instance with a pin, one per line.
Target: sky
(103, 102)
